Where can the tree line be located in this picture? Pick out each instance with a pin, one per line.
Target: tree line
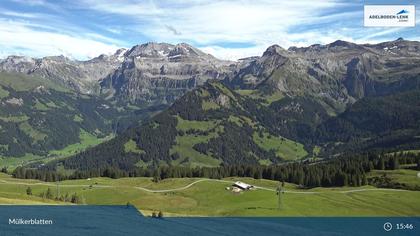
(343, 171)
(74, 198)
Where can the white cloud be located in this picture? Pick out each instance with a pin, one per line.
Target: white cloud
(17, 14)
(214, 25)
(31, 2)
(210, 23)
(234, 53)
(235, 21)
(18, 37)
(145, 8)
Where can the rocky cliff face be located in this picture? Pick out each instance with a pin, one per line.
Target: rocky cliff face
(160, 72)
(157, 73)
(151, 72)
(291, 92)
(338, 73)
(82, 76)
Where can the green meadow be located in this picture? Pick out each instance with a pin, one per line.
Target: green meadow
(405, 176)
(284, 148)
(87, 140)
(20, 82)
(203, 197)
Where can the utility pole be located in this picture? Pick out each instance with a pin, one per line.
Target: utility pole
(280, 192)
(58, 186)
(58, 189)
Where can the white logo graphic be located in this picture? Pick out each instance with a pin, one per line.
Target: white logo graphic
(390, 16)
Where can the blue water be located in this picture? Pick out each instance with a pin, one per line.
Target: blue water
(123, 220)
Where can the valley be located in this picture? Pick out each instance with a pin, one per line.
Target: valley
(169, 128)
(42, 120)
(285, 105)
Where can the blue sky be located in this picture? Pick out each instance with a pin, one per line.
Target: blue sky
(227, 29)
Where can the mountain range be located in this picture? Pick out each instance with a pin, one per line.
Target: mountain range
(148, 73)
(175, 105)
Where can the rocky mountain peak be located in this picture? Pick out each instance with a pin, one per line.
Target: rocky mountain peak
(56, 59)
(118, 56)
(186, 50)
(343, 44)
(164, 51)
(357, 70)
(120, 51)
(337, 46)
(18, 59)
(144, 71)
(19, 64)
(399, 47)
(149, 67)
(275, 50)
(150, 49)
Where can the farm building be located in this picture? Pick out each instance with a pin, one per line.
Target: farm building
(242, 186)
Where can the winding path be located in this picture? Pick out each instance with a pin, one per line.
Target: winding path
(53, 184)
(182, 188)
(264, 188)
(194, 183)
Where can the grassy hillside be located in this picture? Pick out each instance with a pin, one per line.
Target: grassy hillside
(87, 140)
(184, 144)
(209, 126)
(206, 127)
(283, 147)
(21, 82)
(375, 123)
(210, 198)
(405, 177)
(266, 99)
(37, 116)
(214, 124)
(40, 120)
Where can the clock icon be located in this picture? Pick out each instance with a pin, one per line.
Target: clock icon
(387, 226)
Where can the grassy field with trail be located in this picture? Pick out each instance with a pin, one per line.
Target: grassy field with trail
(205, 197)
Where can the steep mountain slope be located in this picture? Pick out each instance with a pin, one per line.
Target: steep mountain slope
(81, 76)
(152, 73)
(160, 72)
(337, 74)
(379, 123)
(280, 106)
(214, 125)
(206, 127)
(53, 102)
(38, 116)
